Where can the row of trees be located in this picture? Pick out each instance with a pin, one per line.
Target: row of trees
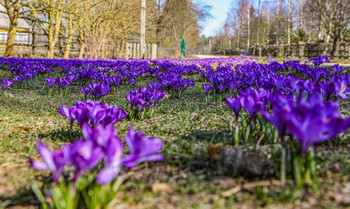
(260, 22)
(102, 27)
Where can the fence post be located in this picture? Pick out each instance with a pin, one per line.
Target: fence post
(134, 50)
(301, 49)
(154, 51)
(148, 51)
(138, 50)
(127, 51)
(281, 50)
(347, 50)
(337, 53)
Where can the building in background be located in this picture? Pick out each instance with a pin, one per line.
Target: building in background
(23, 29)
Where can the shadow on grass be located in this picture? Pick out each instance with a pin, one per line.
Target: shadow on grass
(63, 135)
(24, 196)
(213, 153)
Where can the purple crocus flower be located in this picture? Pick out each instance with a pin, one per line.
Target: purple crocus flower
(116, 80)
(51, 82)
(142, 148)
(100, 135)
(254, 101)
(93, 113)
(62, 82)
(153, 86)
(84, 155)
(133, 98)
(327, 89)
(54, 161)
(312, 122)
(157, 95)
(279, 118)
(68, 113)
(341, 87)
(142, 103)
(337, 69)
(6, 83)
(18, 78)
(99, 90)
(233, 86)
(113, 154)
(207, 88)
(132, 81)
(235, 104)
(85, 91)
(71, 78)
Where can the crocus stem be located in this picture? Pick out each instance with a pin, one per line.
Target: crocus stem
(143, 112)
(276, 136)
(283, 166)
(247, 133)
(119, 181)
(236, 134)
(70, 131)
(152, 112)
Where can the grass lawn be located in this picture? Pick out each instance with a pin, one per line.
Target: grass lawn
(202, 168)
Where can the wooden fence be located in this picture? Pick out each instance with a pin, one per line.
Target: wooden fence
(133, 50)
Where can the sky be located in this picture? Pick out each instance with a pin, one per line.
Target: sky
(218, 11)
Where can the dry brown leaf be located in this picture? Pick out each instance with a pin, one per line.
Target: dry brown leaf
(161, 187)
(251, 185)
(213, 150)
(231, 191)
(166, 96)
(21, 128)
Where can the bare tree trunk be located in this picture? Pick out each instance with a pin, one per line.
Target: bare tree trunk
(53, 32)
(50, 49)
(334, 47)
(238, 31)
(67, 47)
(248, 12)
(288, 25)
(81, 50)
(301, 15)
(103, 49)
(10, 44)
(143, 29)
(13, 13)
(268, 27)
(32, 51)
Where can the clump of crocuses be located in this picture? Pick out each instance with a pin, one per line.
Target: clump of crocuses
(319, 60)
(5, 84)
(207, 89)
(97, 90)
(252, 101)
(143, 102)
(99, 165)
(310, 121)
(93, 113)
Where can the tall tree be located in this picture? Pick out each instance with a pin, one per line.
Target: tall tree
(13, 11)
(182, 18)
(333, 17)
(50, 19)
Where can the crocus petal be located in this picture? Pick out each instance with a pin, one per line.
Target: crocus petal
(38, 165)
(107, 174)
(46, 155)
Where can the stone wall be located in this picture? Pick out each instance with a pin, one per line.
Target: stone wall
(39, 50)
(302, 50)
